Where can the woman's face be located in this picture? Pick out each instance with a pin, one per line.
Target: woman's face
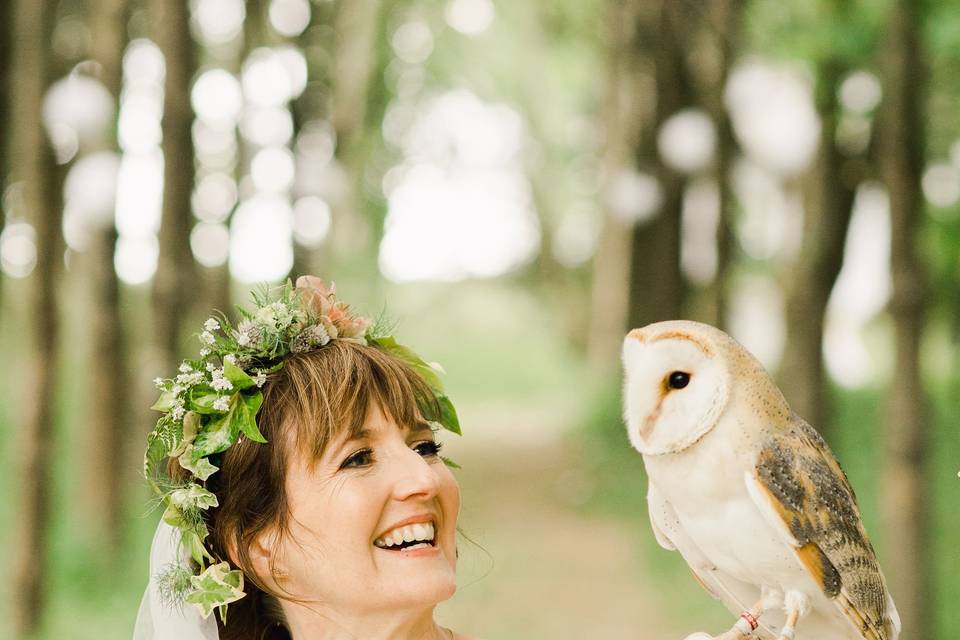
(373, 523)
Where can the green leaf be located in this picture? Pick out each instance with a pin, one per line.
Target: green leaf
(390, 345)
(201, 398)
(216, 587)
(450, 463)
(448, 414)
(199, 467)
(193, 495)
(237, 377)
(219, 435)
(245, 416)
(164, 402)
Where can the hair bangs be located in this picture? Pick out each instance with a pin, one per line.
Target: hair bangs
(328, 392)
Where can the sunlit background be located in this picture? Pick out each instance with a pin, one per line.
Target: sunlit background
(455, 162)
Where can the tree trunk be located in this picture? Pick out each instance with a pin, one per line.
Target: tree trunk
(6, 90)
(174, 277)
(827, 215)
(724, 17)
(906, 503)
(657, 287)
(33, 159)
(624, 116)
(110, 411)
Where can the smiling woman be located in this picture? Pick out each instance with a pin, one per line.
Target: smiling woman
(335, 516)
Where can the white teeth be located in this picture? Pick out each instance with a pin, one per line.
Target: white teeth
(410, 533)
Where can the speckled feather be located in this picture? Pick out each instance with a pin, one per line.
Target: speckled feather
(812, 495)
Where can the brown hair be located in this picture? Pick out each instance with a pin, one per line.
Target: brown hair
(306, 404)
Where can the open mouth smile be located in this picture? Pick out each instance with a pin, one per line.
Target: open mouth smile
(420, 535)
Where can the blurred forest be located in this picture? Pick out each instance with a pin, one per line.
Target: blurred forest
(517, 184)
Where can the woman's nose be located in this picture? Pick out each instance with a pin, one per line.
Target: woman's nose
(415, 477)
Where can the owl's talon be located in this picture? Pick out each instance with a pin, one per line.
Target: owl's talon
(789, 630)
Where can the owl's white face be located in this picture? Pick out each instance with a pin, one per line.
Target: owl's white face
(674, 391)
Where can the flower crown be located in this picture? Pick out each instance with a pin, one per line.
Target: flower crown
(214, 400)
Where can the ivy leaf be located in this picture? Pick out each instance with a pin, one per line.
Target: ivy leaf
(165, 402)
(245, 416)
(193, 495)
(200, 467)
(237, 377)
(220, 434)
(216, 587)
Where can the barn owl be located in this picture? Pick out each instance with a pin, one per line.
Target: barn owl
(747, 492)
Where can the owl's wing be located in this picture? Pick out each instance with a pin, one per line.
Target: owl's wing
(670, 534)
(800, 488)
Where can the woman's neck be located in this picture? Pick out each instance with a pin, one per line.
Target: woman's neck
(312, 622)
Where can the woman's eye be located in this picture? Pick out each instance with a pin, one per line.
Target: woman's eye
(360, 458)
(427, 448)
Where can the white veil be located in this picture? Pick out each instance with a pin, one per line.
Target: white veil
(161, 621)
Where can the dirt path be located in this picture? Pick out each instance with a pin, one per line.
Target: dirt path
(545, 570)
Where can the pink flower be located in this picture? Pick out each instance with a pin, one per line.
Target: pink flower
(315, 294)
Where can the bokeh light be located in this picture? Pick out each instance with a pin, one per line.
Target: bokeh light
(216, 98)
(311, 221)
(861, 92)
(218, 21)
(413, 42)
(773, 115)
(136, 258)
(214, 197)
(290, 17)
(261, 247)
(470, 17)
(18, 249)
(941, 184)
(686, 141)
(272, 169)
(210, 243)
(266, 80)
(632, 196)
(267, 126)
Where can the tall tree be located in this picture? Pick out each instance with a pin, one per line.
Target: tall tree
(829, 207)
(110, 410)
(723, 19)
(6, 90)
(32, 157)
(625, 115)
(657, 287)
(171, 23)
(906, 500)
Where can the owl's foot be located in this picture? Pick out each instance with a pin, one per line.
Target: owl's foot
(746, 624)
(796, 605)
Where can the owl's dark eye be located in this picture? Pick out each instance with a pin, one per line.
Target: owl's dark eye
(678, 380)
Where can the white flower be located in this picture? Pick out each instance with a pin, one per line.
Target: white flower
(265, 315)
(176, 390)
(222, 403)
(260, 378)
(219, 382)
(158, 382)
(204, 352)
(243, 339)
(211, 367)
(177, 411)
(207, 338)
(232, 359)
(185, 368)
(190, 379)
(211, 324)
